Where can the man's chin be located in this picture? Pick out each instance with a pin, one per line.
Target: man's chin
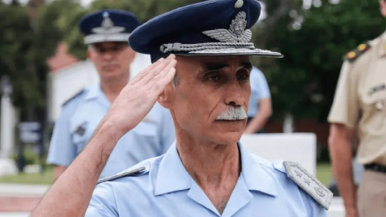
(112, 76)
(229, 137)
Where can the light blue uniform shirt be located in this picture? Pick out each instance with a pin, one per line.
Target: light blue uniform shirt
(259, 90)
(165, 189)
(79, 119)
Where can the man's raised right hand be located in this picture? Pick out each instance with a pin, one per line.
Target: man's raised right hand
(139, 96)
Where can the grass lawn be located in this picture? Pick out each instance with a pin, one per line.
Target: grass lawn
(44, 178)
(323, 174)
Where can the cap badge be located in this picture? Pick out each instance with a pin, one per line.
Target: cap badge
(236, 33)
(107, 26)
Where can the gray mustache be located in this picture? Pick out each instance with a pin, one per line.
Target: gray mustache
(232, 114)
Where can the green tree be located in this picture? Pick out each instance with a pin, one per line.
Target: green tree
(47, 32)
(16, 40)
(303, 83)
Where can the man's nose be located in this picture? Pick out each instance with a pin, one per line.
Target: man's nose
(234, 95)
(107, 55)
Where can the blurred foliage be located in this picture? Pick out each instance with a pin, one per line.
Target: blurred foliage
(303, 83)
(16, 43)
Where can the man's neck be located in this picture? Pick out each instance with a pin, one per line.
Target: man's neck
(215, 168)
(112, 88)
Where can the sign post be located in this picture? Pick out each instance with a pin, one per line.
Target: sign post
(29, 132)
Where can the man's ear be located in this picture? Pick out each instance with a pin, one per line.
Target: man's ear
(89, 54)
(165, 98)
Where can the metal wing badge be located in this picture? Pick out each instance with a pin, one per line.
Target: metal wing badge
(222, 35)
(236, 33)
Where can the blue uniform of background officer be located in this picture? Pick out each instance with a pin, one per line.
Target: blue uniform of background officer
(260, 107)
(106, 33)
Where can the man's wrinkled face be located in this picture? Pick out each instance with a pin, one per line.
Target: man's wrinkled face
(111, 59)
(210, 98)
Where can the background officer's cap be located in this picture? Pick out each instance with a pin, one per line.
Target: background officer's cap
(209, 28)
(108, 25)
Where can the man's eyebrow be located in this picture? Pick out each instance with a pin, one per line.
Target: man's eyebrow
(212, 66)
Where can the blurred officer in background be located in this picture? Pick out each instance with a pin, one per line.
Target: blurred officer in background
(260, 107)
(106, 33)
(359, 104)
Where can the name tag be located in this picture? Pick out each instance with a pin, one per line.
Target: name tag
(377, 89)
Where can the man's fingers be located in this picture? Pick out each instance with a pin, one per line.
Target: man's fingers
(144, 72)
(151, 74)
(165, 70)
(164, 78)
(159, 68)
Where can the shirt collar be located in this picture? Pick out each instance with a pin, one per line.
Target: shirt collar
(172, 175)
(94, 92)
(257, 176)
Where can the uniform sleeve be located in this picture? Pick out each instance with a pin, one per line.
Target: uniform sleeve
(262, 85)
(345, 108)
(62, 151)
(103, 202)
(167, 130)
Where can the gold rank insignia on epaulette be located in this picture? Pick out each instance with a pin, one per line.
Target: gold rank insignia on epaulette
(361, 49)
(309, 184)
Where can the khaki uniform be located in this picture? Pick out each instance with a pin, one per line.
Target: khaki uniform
(360, 103)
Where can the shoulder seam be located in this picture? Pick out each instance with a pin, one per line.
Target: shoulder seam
(73, 97)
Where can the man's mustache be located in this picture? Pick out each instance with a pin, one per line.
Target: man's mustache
(233, 114)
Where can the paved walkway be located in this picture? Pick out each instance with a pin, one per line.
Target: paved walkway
(18, 204)
(18, 200)
(17, 214)
(21, 190)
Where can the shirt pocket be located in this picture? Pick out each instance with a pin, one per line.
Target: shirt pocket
(374, 108)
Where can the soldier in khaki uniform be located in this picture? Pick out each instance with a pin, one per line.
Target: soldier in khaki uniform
(360, 104)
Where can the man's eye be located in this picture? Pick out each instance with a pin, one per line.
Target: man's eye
(214, 78)
(243, 76)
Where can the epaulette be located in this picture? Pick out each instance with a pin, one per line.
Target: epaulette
(354, 54)
(74, 96)
(309, 184)
(128, 172)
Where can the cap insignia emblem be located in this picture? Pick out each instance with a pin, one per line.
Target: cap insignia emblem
(236, 33)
